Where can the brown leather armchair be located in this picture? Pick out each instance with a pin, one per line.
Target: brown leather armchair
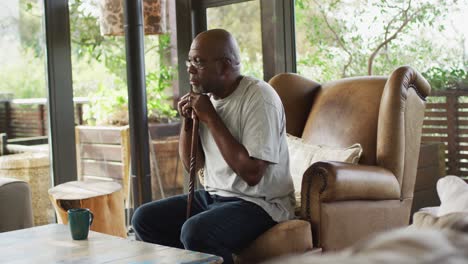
(347, 202)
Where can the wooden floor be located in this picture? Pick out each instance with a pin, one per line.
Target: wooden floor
(53, 244)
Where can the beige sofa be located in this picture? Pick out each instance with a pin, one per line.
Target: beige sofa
(15, 205)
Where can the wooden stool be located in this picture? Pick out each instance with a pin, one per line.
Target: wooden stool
(104, 199)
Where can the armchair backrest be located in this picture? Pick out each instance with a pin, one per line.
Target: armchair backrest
(383, 114)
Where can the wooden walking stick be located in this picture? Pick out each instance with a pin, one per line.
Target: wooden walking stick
(193, 162)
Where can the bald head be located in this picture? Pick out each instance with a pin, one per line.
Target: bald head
(220, 43)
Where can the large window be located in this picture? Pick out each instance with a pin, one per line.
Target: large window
(23, 111)
(233, 18)
(22, 49)
(338, 39)
(100, 82)
(348, 38)
(262, 28)
(99, 69)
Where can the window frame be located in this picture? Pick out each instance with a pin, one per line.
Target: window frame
(277, 18)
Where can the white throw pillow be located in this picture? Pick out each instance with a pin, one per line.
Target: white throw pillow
(453, 194)
(302, 155)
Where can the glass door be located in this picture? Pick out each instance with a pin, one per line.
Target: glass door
(100, 90)
(24, 151)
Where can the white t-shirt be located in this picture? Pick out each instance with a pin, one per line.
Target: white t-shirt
(254, 115)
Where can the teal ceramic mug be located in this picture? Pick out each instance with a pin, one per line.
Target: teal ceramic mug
(79, 220)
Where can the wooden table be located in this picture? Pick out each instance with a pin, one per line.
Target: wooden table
(53, 244)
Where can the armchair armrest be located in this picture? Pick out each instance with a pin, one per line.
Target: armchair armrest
(338, 181)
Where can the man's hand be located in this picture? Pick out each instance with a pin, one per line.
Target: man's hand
(185, 140)
(184, 107)
(200, 103)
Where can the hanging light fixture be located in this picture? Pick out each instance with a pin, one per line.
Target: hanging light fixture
(112, 17)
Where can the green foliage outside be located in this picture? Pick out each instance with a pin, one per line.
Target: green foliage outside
(98, 65)
(109, 96)
(24, 78)
(336, 39)
(448, 78)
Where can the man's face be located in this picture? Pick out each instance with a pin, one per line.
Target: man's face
(204, 68)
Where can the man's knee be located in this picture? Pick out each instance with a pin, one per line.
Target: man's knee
(138, 219)
(141, 219)
(193, 233)
(138, 216)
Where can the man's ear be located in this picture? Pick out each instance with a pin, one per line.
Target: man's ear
(225, 66)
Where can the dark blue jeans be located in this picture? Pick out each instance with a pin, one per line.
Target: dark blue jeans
(219, 225)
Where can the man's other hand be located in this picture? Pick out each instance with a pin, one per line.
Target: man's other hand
(201, 104)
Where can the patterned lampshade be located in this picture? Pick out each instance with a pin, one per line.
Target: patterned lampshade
(112, 17)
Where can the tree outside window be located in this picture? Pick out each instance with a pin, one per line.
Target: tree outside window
(372, 37)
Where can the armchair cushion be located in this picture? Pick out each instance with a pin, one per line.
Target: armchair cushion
(287, 237)
(302, 155)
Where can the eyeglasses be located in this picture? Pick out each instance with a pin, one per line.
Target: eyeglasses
(199, 64)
